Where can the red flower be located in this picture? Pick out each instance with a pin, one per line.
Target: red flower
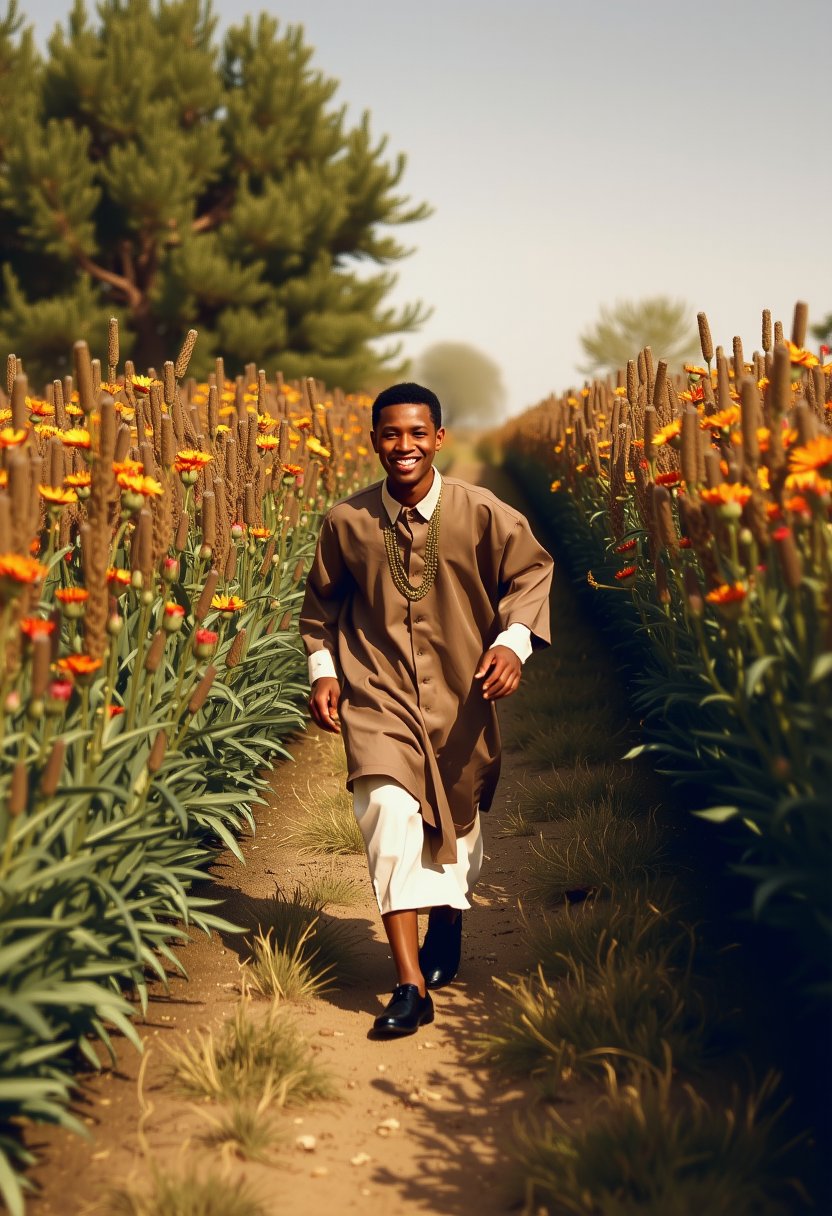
(626, 546)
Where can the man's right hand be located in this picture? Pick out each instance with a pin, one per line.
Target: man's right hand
(323, 703)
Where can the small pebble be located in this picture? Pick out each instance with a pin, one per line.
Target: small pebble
(381, 1068)
(387, 1126)
(360, 1159)
(320, 1171)
(307, 1144)
(297, 1119)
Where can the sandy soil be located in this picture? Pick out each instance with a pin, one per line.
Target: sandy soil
(447, 1156)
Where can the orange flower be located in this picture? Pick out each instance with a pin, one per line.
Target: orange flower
(721, 420)
(727, 593)
(115, 710)
(174, 609)
(56, 496)
(119, 577)
(23, 570)
(79, 664)
(11, 438)
(127, 466)
(726, 493)
(581, 468)
(73, 410)
(110, 386)
(4, 478)
(39, 407)
(693, 369)
(668, 433)
(801, 358)
(191, 460)
(555, 486)
(36, 626)
(798, 504)
(227, 603)
(265, 422)
(78, 481)
(267, 442)
(620, 391)
(141, 384)
(302, 424)
(293, 470)
(72, 595)
(814, 456)
(77, 437)
(673, 478)
(695, 393)
(260, 533)
(134, 483)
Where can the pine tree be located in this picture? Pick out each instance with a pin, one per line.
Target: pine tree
(150, 171)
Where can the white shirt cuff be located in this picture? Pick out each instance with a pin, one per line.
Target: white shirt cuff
(518, 638)
(321, 663)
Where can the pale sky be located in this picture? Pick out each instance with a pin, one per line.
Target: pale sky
(579, 153)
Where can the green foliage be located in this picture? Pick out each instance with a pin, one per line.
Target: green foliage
(658, 322)
(467, 382)
(151, 170)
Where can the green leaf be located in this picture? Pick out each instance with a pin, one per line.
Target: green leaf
(718, 814)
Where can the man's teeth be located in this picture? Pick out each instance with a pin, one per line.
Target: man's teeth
(407, 462)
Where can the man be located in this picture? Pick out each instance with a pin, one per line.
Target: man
(424, 597)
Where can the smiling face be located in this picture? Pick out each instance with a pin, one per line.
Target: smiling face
(406, 442)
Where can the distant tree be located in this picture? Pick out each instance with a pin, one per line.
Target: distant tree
(153, 171)
(623, 330)
(468, 383)
(823, 330)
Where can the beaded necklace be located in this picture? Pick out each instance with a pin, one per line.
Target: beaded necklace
(394, 561)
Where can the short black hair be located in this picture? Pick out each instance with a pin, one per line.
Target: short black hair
(408, 394)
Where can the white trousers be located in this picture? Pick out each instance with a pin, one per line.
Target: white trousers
(402, 871)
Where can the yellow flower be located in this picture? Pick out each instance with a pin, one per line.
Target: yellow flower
(668, 433)
(727, 593)
(314, 445)
(227, 603)
(78, 481)
(727, 492)
(721, 420)
(46, 429)
(19, 569)
(11, 438)
(267, 442)
(76, 438)
(56, 496)
(190, 460)
(801, 358)
(135, 483)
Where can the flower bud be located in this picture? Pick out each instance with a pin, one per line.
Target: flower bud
(13, 702)
(114, 624)
(173, 618)
(170, 569)
(137, 580)
(204, 642)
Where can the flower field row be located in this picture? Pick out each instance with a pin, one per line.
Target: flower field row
(703, 499)
(153, 539)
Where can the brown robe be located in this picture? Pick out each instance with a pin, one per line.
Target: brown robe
(410, 707)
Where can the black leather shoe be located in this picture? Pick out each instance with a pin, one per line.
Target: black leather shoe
(441, 951)
(405, 1013)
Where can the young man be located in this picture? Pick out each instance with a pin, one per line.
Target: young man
(425, 596)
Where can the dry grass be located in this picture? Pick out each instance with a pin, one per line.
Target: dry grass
(651, 1149)
(565, 792)
(194, 1193)
(602, 852)
(333, 890)
(328, 826)
(251, 1059)
(283, 974)
(635, 921)
(297, 925)
(244, 1130)
(617, 1009)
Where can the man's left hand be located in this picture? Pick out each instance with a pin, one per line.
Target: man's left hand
(499, 669)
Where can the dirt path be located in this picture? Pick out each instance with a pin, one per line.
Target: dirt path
(446, 1155)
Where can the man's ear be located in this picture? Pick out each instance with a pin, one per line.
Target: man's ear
(440, 437)
(374, 441)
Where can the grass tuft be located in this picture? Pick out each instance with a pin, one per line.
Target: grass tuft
(565, 792)
(612, 1011)
(602, 852)
(333, 890)
(287, 975)
(190, 1194)
(649, 1149)
(296, 926)
(244, 1130)
(328, 826)
(636, 920)
(251, 1057)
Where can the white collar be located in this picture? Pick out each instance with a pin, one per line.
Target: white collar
(425, 506)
